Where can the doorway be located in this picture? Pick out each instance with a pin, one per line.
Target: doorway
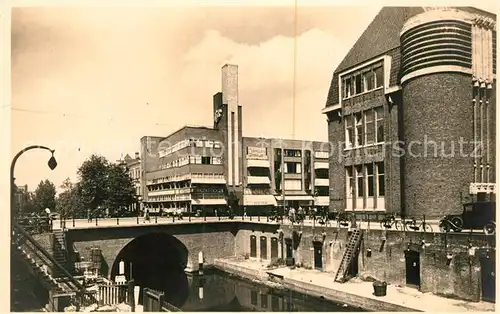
(412, 259)
(263, 247)
(318, 255)
(253, 246)
(289, 252)
(487, 261)
(274, 247)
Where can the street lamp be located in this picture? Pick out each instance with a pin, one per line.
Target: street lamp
(52, 163)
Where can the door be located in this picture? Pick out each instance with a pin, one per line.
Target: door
(274, 248)
(412, 268)
(263, 247)
(318, 255)
(253, 246)
(488, 276)
(289, 249)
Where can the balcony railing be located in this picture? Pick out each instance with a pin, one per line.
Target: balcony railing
(255, 163)
(321, 200)
(258, 180)
(194, 177)
(321, 182)
(321, 165)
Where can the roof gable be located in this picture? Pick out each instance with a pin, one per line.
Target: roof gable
(381, 35)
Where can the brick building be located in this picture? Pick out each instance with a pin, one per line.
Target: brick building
(209, 168)
(416, 84)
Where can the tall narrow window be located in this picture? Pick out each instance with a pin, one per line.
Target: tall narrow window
(379, 76)
(347, 87)
(359, 86)
(350, 182)
(379, 126)
(360, 185)
(370, 179)
(369, 80)
(358, 120)
(349, 131)
(369, 127)
(381, 178)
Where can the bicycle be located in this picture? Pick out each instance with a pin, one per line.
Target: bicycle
(415, 226)
(389, 221)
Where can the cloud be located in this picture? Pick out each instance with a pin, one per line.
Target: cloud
(266, 79)
(87, 85)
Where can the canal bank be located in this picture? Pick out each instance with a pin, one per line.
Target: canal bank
(354, 293)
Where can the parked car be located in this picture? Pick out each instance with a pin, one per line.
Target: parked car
(478, 215)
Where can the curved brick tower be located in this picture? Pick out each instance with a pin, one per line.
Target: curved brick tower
(447, 80)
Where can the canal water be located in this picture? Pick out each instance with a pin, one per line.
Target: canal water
(217, 291)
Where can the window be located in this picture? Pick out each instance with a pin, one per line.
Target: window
(381, 180)
(205, 160)
(350, 182)
(347, 88)
(292, 153)
(379, 116)
(369, 80)
(217, 160)
(369, 127)
(199, 143)
(209, 144)
(360, 179)
(293, 167)
(358, 121)
(349, 131)
(370, 179)
(379, 76)
(359, 86)
(217, 144)
(197, 160)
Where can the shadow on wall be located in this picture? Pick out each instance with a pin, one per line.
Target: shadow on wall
(156, 261)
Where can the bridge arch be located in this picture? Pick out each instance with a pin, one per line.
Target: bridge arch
(156, 260)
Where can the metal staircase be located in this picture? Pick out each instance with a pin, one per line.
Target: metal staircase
(51, 274)
(349, 252)
(60, 251)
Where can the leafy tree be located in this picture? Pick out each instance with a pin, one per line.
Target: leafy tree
(45, 196)
(104, 185)
(120, 190)
(93, 178)
(68, 202)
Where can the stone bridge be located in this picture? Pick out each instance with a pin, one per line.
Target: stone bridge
(179, 241)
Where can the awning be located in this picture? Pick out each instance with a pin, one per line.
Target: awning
(322, 201)
(209, 201)
(258, 163)
(295, 198)
(321, 165)
(258, 180)
(254, 200)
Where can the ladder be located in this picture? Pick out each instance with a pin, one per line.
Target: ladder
(349, 252)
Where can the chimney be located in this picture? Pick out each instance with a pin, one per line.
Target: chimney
(136, 155)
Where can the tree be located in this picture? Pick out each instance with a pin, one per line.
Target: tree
(104, 185)
(68, 203)
(120, 190)
(45, 196)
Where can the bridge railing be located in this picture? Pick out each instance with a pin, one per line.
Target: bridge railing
(153, 301)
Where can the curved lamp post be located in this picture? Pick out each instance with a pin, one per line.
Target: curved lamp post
(52, 163)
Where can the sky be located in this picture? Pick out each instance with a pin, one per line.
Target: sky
(95, 80)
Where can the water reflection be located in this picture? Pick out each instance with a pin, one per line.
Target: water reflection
(219, 292)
